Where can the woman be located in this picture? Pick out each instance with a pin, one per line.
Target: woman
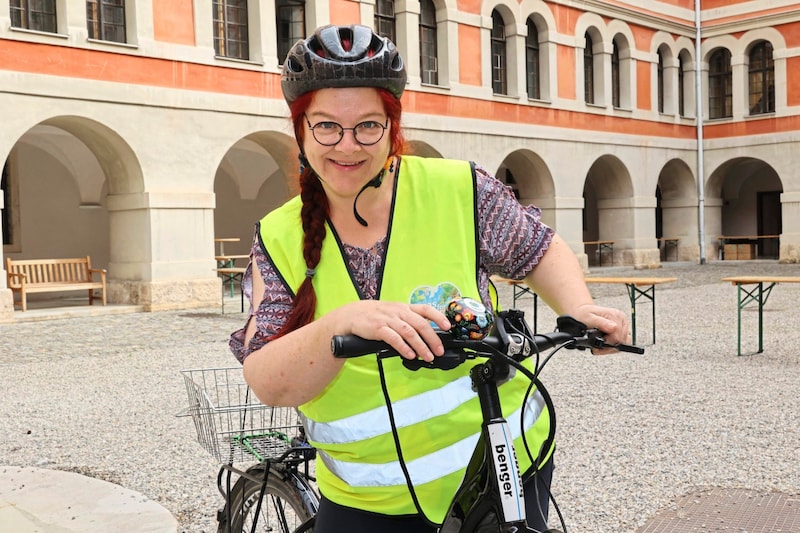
(373, 246)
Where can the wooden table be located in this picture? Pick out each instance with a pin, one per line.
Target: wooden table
(730, 239)
(222, 240)
(665, 243)
(229, 261)
(521, 290)
(637, 287)
(758, 294)
(231, 274)
(602, 245)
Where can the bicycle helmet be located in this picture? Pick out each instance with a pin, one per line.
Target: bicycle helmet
(342, 56)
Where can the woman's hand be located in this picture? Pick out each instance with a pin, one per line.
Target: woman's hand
(406, 327)
(612, 322)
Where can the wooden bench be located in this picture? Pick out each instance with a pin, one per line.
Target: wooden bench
(54, 275)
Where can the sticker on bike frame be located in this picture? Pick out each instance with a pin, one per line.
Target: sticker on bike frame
(509, 482)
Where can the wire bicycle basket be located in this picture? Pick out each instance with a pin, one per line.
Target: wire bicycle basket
(231, 424)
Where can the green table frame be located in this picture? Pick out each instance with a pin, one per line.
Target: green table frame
(231, 274)
(759, 294)
(637, 288)
(519, 291)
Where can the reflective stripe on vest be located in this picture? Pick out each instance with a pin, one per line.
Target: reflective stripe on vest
(432, 466)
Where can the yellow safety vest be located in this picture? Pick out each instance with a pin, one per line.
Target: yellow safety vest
(432, 247)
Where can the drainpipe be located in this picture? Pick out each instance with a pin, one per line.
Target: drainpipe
(701, 202)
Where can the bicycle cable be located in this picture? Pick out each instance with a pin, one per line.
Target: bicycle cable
(398, 448)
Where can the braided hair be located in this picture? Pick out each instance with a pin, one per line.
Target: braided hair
(316, 209)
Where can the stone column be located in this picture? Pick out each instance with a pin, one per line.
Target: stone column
(790, 240)
(630, 223)
(162, 250)
(565, 215)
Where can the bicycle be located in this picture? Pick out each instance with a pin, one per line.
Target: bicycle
(480, 505)
(276, 493)
(491, 498)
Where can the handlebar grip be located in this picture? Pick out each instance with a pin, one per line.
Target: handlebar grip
(630, 348)
(344, 346)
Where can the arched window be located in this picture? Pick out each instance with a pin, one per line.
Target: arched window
(290, 19)
(681, 89)
(532, 68)
(384, 19)
(660, 81)
(499, 60)
(720, 85)
(588, 70)
(762, 79)
(615, 84)
(428, 57)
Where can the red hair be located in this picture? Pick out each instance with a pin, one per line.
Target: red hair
(316, 209)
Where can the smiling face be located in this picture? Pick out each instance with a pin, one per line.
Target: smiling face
(345, 167)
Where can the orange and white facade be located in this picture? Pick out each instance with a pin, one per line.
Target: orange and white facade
(139, 134)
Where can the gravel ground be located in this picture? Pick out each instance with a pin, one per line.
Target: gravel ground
(99, 395)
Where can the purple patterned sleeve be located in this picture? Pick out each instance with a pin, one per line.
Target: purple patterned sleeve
(512, 237)
(272, 312)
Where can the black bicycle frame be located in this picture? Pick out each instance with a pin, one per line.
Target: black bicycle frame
(491, 498)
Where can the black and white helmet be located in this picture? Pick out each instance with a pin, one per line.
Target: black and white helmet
(342, 56)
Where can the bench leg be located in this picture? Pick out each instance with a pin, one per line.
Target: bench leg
(91, 296)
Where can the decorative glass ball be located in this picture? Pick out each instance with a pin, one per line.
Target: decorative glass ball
(469, 319)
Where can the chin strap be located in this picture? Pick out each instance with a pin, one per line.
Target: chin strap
(374, 182)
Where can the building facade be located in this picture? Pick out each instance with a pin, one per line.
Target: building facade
(138, 132)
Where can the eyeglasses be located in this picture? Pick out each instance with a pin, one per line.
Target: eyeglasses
(329, 133)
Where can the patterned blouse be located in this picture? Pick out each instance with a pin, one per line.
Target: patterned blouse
(512, 240)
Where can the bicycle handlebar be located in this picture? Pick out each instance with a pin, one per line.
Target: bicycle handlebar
(510, 336)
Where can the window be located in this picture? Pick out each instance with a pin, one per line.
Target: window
(588, 70)
(660, 81)
(498, 41)
(428, 64)
(106, 20)
(230, 29)
(615, 83)
(39, 15)
(290, 25)
(681, 88)
(532, 65)
(720, 85)
(762, 79)
(384, 19)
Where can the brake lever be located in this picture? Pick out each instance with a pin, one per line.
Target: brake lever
(590, 339)
(449, 360)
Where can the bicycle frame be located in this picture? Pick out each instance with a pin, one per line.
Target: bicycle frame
(492, 495)
(493, 484)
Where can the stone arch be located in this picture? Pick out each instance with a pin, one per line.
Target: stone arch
(608, 209)
(257, 174)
